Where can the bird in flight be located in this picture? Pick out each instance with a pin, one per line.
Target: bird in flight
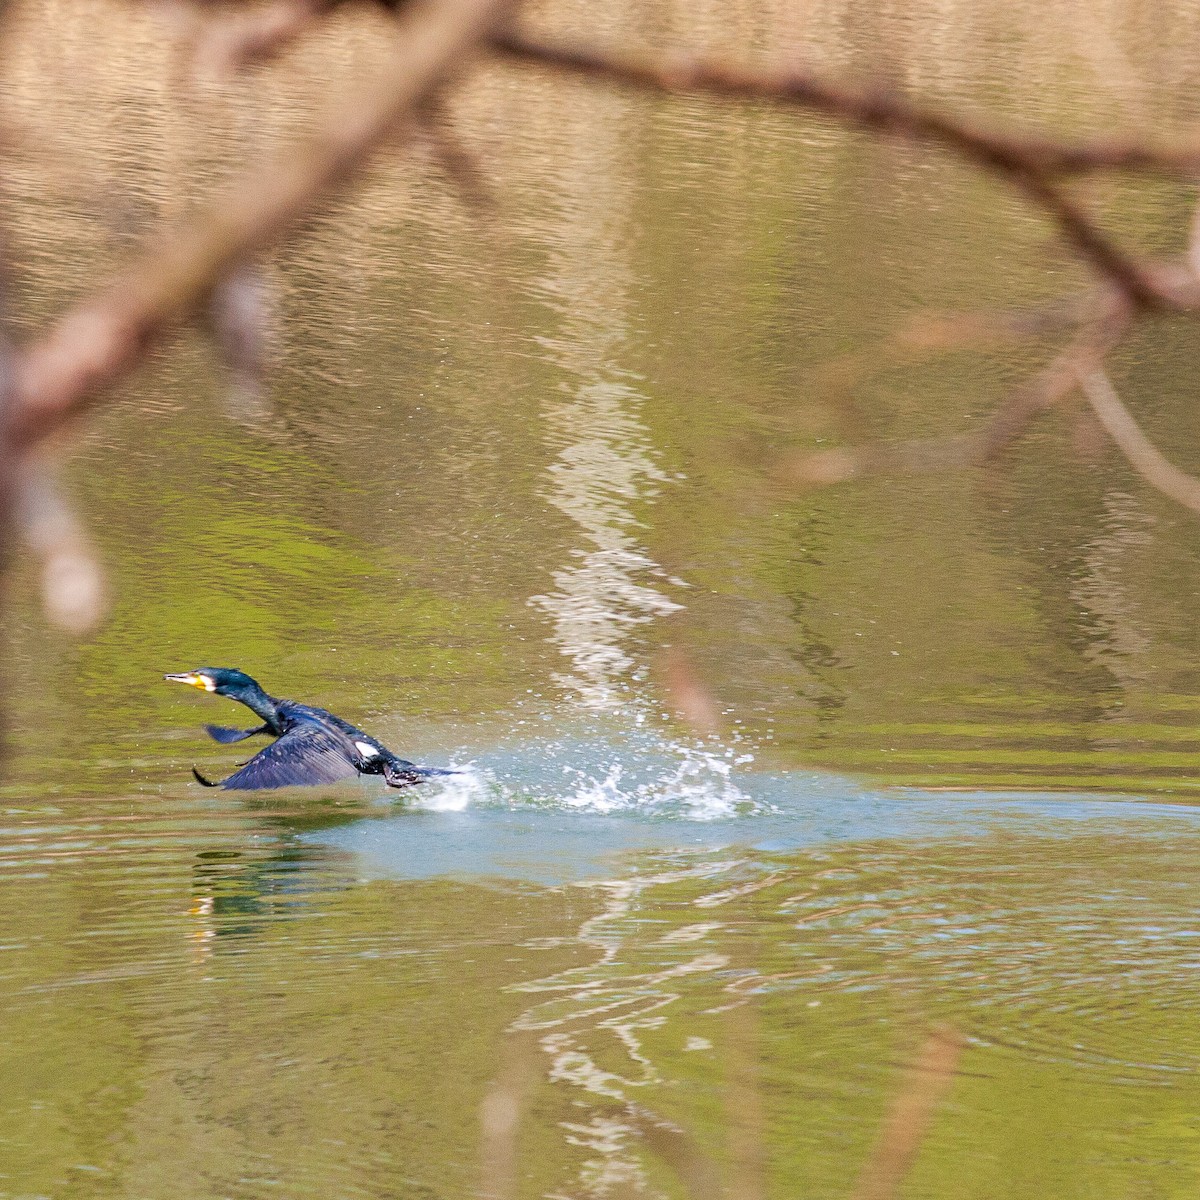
(311, 746)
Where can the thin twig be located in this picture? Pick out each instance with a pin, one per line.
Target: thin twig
(1029, 162)
(250, 38)
(688, 693)
(1052, 384)
(1145, 458)
(932, 333)
(1143, 282)
(459, 163)
(500, 1117)
(1006, 426)
(679, 1150)
(745, 1112)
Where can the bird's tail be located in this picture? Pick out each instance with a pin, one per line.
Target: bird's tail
(405, 774)
(200, 779)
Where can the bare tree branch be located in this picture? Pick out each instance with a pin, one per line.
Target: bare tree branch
(931, 333)
(101, 339)
(1007, 425)
(253, 37)
(875, 106)
(1028, 162)
(1145, 283)
(1145, 458)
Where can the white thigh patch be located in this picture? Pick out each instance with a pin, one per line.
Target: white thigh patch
(367, 751)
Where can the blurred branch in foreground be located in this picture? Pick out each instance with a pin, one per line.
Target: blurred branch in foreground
(910, 1116)
(1007, 425)
(500, 1117)
(248, 38)
(902, 1132)
(73, 593)
(96, 343)
(103, 337)
(1143, 455)
(1032, 162)
(1029, 161)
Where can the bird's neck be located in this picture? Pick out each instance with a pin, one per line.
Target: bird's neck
(259, 702)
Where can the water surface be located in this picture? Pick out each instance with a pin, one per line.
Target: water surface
(512, 469)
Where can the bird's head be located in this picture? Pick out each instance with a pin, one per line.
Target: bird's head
(225, 681)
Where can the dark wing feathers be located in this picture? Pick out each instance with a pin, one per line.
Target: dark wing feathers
(308, 753)
(224, 735)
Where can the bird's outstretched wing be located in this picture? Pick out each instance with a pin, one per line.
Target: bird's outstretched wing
(224, 735)
(307, 754)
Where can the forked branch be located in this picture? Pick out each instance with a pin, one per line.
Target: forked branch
(1145, 458)
(1057, 380)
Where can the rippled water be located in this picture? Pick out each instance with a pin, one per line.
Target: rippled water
(515, 477)
(316, 995)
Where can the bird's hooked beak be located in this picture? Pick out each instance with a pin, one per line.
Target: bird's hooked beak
(203, 682)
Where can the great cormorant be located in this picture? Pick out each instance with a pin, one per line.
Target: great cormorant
(312, 746)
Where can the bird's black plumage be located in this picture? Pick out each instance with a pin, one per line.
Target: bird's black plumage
(312, 746)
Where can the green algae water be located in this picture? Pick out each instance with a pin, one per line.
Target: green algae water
(509, 463)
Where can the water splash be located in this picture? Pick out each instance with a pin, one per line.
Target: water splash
(602, 772)
(452, 793)
(698, 785)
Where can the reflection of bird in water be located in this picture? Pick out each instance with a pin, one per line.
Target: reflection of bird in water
(312, 746)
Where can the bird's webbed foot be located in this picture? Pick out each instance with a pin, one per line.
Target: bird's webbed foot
(224, 735)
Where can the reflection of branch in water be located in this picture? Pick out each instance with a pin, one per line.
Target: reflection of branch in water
(816, 655)
(1122, 643)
